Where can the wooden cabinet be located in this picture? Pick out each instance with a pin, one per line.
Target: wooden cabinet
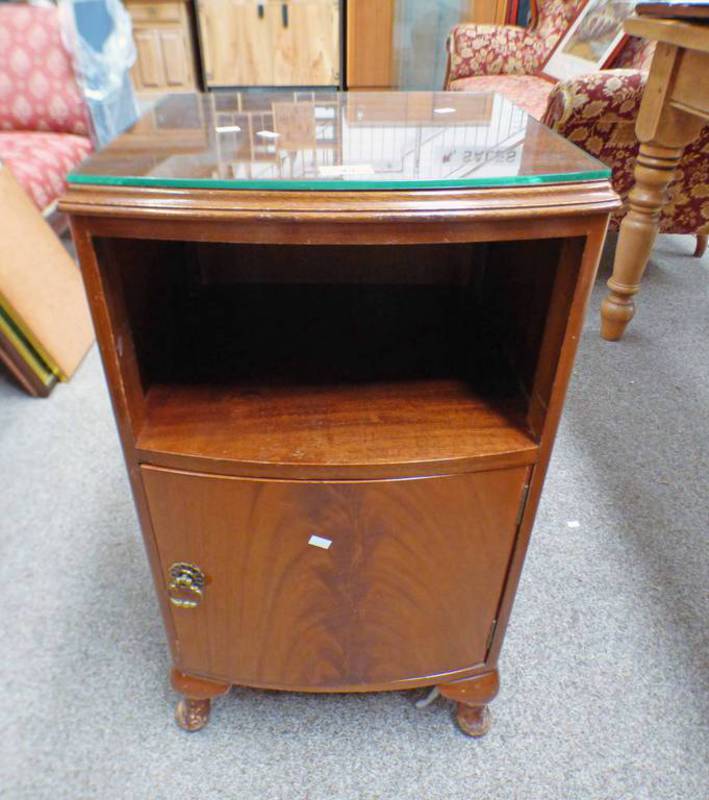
(338, 405)
(163, 40)
(305, 42)
(235, 43)
(249, 43)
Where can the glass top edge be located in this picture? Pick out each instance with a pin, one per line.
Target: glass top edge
(147, 182)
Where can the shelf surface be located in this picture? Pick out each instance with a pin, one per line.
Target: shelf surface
(381, 429)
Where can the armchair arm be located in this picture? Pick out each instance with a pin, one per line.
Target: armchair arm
(591, 105)
(493, 50)
(597, 112)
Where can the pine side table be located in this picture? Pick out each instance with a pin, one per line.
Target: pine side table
(674, 108)
(337, 331)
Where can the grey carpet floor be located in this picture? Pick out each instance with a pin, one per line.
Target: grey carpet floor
(604, 670)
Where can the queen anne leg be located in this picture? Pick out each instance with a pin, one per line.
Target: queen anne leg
(192, 712)
(472, 696)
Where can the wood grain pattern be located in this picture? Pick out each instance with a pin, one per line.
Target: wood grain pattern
(680, 33)
(541, 202)
(270, 43)
(306, 49)
(370, 44)
(235, 44)
(407, 589)
(397, 429)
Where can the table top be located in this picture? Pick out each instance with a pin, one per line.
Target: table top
(690, 34)
(674, 9)
(326, 140)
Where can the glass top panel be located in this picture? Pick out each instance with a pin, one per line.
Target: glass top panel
(329, 140)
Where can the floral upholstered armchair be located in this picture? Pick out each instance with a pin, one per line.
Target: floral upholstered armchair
(44, 121)
(596, 111)
(508, 58)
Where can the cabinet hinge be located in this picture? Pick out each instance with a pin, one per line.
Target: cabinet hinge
(522, 503)
(490, 637)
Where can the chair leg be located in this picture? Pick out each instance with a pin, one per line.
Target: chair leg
(701, 245)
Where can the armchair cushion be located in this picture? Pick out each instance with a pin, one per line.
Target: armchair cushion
(598, 112)
(40, 161)
(38, 90)
(527, 91)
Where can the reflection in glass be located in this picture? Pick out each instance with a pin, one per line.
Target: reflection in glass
(331, 140)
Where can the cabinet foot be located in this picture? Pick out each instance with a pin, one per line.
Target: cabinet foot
(192, 712)
(192, 715)
(473, 720)
(472, 696)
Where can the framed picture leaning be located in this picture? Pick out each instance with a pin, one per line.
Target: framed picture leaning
(592, 41)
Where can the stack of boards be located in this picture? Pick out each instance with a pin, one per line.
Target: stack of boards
(45, 326)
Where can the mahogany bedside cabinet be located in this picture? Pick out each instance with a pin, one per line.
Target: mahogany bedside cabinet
(337, 331)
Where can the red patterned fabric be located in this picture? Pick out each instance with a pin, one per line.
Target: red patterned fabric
(38, 89)
(527, 91)
(40, 161)
(598, 112)
(636, 54)
(508, 49)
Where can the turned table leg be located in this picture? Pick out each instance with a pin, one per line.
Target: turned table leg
(472, 696)
(653, 172)
(663, 130)
(192, 712)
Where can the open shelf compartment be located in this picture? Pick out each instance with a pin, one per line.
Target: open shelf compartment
(325, 361)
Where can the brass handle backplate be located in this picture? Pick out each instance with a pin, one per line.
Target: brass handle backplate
(186, 585)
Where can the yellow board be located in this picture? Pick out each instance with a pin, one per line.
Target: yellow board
(41, 291)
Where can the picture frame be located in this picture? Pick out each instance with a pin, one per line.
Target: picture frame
(592, 41)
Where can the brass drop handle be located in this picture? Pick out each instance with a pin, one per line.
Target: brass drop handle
(186, 585)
